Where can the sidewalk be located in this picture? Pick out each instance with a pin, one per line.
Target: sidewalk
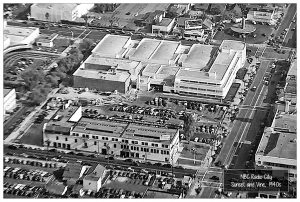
(27, 122)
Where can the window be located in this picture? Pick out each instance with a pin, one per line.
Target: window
(85, 144)
(57, 138)
(131, 147)
(75, 140)
(66, 139)
(104, 143)
(168, 152)
(146, 143)
(151, 150)
(87, 136)
(115, 146)
(142, 149)
(143, 143)
(95, 143)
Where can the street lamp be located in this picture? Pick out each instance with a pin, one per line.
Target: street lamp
(194, 151)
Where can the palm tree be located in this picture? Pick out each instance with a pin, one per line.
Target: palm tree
(47, 15)
(188, 126)
(86, 18)
(48, 143)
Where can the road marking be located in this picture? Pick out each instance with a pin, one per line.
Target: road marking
(251, 114)
(289, 27)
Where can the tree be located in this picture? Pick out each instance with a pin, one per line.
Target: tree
(86, 45)
(188, 126)
(86, 18)
(32, 78)
(47, 15)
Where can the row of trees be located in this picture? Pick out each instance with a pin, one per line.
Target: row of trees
(40, 84)
(102, 8)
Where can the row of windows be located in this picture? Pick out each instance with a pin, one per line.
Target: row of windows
(199, 82)
(155, 151)
(115, 139)
(199, 94)
(202, 89)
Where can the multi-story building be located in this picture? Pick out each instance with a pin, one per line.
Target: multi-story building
(69, 130)
(209, 72)
(55, 12)
(164, 26)
(9, 101)
(197, 70)
(265, 15)
(277, 148)
(20, 35)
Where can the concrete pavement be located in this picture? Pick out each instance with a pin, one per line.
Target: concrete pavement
(27, 122)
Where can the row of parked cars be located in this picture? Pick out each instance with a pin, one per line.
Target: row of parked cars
(22, 190)
(25, 174)
(30, 162)
(139, 119)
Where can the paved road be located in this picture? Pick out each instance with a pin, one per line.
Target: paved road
(243, 120)
(287, 19)
(73, 158)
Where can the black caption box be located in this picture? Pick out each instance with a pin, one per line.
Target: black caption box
(255, 180)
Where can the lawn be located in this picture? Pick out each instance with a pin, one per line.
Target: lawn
(201, 151)
(34, 135)
(260, 29)
(271, 53)
(122, 183)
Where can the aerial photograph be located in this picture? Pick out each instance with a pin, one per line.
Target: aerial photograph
(149, 100)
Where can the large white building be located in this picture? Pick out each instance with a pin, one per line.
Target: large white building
(265, 15)
(277, 148)
(197, 70)
(9, 101)
(208, 71)
(15, 35)
(55, 12)
(69, 130)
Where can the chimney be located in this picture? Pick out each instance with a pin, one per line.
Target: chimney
(287, 106)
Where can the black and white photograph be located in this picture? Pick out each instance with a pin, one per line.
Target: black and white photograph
(149, 100)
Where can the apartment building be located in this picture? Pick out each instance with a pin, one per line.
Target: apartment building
(69, 130)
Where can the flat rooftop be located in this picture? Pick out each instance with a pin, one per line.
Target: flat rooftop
(100, 127)
(221, 64)
(199, 56)
(57, 6)
(168, 70)
(165, 22)
(111, 45)
(124, 130)
(17, 34)
(165, 52)
(151, 69)
(115, 62)
(145, 49)
(286, 122)
(233, 45)
(62, 116)
(280, 145)
(147, 133)
(120, 76)
(195, 75)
